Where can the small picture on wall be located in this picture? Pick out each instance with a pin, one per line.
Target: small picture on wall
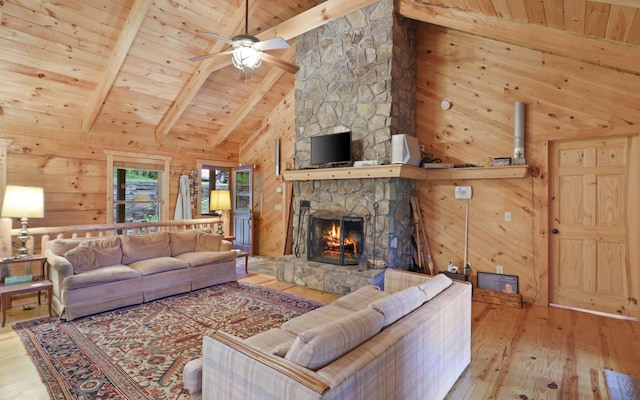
(498, 282)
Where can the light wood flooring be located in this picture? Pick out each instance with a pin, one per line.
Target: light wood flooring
(523, 354)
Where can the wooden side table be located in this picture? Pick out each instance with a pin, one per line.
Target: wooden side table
(41, 258)
(246, 260)
(7, 291)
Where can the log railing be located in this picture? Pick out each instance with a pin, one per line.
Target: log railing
(128, 228)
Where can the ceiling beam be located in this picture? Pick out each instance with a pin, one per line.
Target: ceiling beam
(238, 115)
(598, 51)
(289, 29)
(120, 50)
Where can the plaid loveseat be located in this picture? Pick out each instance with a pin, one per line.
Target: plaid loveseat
(410, 341)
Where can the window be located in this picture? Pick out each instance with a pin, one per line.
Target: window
(137, 187)
(212, 178)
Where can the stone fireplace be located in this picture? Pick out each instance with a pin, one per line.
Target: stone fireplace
(357, 74)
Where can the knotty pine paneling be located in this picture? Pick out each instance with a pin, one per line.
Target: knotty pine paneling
(270, 206)
(484, 78)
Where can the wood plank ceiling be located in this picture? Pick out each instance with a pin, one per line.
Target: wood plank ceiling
(113, 67)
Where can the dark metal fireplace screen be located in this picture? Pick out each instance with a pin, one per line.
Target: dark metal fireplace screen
(334, 239)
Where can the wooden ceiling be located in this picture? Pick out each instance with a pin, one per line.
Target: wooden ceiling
(113, 67)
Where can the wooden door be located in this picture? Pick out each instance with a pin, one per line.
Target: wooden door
(243, 208)
(595, 225)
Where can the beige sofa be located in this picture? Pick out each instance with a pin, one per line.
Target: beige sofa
(410, 341)
(93, 275)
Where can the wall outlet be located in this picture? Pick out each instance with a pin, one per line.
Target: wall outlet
(507, 216)
(499, 269)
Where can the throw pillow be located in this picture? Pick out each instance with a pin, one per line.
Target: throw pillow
(319, 346)
(82, 258)
(60, 246)
(107, 250)
(208, 242)
(399, 304)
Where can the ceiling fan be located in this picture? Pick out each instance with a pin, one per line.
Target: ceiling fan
(248, 52)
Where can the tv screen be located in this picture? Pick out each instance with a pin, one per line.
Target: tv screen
(331, 149)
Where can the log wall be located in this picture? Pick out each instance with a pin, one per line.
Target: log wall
(271, 195)
(483, 78)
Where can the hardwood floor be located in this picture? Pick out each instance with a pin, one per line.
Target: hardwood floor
(530, 353)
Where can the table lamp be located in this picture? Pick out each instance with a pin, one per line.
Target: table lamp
(220, 200)
(23, 202)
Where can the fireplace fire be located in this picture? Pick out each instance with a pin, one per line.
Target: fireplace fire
(334, 239)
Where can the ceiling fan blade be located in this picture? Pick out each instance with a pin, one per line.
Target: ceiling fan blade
(216, 36)
(272, 44)
(204, 57)
(273, 60)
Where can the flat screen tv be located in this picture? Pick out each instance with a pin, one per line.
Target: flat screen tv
(331, 150)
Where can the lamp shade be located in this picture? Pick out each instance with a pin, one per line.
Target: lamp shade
(220, 200)
(23, 201)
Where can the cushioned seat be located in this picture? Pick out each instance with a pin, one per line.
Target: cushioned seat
(198, 258)
(359, 299)
(158, 265)
(319, 316)
(99, 276)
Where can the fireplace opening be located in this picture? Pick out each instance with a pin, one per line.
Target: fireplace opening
(334, 239)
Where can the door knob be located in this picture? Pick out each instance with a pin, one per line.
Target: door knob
(555, 231)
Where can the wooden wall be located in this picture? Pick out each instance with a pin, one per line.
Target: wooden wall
(271, 193)
(483, 78)
(71, 166)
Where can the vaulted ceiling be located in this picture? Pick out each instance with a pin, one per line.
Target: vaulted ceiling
(118, 67)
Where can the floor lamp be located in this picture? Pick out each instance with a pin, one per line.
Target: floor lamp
(220, 200)
(23, 202)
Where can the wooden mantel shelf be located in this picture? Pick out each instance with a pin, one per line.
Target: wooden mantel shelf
(506, 172)
(408, 172)
(377, 171)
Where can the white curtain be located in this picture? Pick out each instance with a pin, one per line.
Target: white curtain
(183, 205)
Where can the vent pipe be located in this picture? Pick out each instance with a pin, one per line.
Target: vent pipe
(518, 134)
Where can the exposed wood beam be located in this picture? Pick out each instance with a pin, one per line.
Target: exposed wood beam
(602, 52)
(314, 17)
(628, 3)
(120, 50)
(238, 115)
(289, 29)
(199, 77)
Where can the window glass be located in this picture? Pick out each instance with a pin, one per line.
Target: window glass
(212, 178)
(136, 195)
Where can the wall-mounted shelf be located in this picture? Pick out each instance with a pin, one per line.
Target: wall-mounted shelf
(506, 172)
(377, 171)
(407, 172)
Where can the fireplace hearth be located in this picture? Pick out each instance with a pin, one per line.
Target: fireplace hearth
(335, 239)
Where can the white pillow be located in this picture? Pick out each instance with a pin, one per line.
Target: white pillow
(318, 346)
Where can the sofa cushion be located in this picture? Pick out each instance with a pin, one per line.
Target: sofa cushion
(268, 341)
(82, 258)
(435, 285)
(198, 258)
(183, 241)
(143, 247)
(399, 304)
(319, 346)
(158, 265)
(319, 316)
(112, 273)
(208, 242)
(359, 299)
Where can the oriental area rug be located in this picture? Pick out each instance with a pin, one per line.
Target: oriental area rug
(138, 352)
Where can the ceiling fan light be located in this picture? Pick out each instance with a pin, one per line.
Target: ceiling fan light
(245, 56)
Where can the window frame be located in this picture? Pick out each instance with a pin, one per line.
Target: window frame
(141, 161)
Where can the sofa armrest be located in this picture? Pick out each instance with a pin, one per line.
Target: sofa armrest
(58, 266)
(192, 377)
(226, 245)
(236, 347)
(396, 280)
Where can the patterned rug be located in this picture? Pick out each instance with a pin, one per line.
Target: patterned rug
(138, 352)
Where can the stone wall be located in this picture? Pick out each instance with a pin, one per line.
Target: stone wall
(358, 74)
